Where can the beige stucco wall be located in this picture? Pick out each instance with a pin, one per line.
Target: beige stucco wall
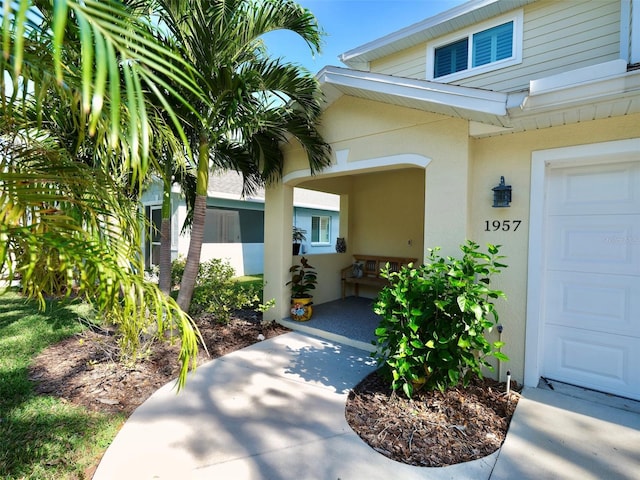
(370, 133)
(510, 155)
(451, 192)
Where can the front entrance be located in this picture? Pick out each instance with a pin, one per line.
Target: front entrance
(589, 309)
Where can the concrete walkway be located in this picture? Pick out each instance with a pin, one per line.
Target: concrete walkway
(275, 411)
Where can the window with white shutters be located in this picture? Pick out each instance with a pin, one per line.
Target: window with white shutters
(486, 47)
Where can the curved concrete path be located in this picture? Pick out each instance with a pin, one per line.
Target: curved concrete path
(275, 411)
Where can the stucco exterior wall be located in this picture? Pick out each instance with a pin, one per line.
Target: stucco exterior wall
(393, 167)
(510, 156)
(454, 187)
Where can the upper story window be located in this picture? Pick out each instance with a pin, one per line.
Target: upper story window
(488, 46)
(320, 229)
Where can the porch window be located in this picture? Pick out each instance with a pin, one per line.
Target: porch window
(153, 214)
(320, 229)
(486, 47)
(223, 226)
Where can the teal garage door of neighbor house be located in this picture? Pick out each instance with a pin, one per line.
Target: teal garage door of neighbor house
(591, 277)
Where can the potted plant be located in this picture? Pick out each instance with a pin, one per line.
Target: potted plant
(298, 238)
(303, 280)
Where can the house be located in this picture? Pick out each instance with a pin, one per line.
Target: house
(234, 228)
(425, 122)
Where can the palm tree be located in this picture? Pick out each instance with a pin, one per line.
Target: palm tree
(184, 176)
(78, 131)
(252, 102)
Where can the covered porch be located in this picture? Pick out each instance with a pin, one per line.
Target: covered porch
(349, 322)
(402, 175)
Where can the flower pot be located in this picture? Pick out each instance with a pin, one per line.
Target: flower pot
(301, 309)
(296, 248)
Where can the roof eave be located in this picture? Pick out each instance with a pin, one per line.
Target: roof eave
(451, 20)
(453, 100)
(494, 113)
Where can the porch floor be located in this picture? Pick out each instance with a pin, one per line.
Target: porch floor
(350, 322)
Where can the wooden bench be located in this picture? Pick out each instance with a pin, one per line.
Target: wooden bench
(371, 267)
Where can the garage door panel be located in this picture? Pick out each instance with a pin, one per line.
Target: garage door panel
(598, 244)
(591, 275)
(594, 302)
(596, 189)
(569, 357)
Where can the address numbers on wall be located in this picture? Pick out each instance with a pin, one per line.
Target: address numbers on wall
(501, 225)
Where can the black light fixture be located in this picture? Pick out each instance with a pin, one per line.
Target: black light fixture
(501, 194)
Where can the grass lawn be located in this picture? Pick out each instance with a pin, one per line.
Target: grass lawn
(41, 437)
(251, 280)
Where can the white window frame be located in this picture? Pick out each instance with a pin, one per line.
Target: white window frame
(329, 220)
(149, 231)
(516, 17)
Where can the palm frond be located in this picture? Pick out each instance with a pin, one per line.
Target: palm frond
(118, 50)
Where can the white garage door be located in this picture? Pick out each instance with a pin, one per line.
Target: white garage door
(591, 277)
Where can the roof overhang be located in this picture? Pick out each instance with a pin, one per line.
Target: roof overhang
(446, 22)
(580, 95)
(451, 100)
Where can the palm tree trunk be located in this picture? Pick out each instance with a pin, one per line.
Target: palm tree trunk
(165, 233)
(188, 283)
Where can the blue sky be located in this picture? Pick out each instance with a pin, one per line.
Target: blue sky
(351, 23)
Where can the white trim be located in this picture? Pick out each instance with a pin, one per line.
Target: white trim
(634, 56)
(579, 76)
(625, 30)
(518, 22)
(541, 161)
(454, 96)
(379, 163)
(456, 18)
(414, 29)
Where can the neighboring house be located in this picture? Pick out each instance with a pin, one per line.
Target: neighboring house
(423, 124)
(235, 225)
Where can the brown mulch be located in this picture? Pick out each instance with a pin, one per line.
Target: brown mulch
(433, 429)
(84, 370)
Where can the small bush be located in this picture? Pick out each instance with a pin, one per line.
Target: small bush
(217, 293)
(434, 318)
(177, 269)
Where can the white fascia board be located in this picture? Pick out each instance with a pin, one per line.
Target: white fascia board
(582, 93)
(630, 31)
(431, 27)
(233, 196)
(578, 76)
(317, 206)
(422, 91)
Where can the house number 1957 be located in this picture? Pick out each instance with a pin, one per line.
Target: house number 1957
(504, 225)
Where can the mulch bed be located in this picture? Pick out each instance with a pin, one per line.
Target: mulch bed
(433, 429)
(84, 369)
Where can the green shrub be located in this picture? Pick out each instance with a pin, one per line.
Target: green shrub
(177, 269)
(217, 293)
(434, 319)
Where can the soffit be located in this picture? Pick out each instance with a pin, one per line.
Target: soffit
(451, 100)
(492, 113)
(444, 23)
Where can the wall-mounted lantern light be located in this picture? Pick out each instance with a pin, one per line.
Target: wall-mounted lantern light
(501, 194)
